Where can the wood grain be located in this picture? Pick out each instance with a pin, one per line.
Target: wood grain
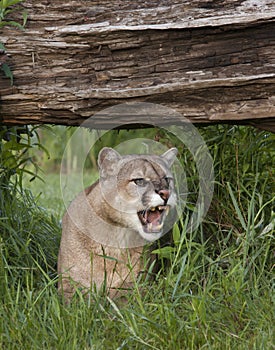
(212, 61)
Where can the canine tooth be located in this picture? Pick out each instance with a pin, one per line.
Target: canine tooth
(153, 209)
(159, 227)
(145, 214)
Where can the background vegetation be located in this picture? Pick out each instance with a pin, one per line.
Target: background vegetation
(6, 8)
(217, 293)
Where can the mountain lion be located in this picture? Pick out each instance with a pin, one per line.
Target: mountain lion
(107, 225)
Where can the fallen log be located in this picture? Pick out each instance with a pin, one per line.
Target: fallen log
(211, 61)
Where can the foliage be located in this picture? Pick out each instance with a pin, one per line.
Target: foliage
(6, 8)
(22, 221)
(29, 236)
(15, 143)
(56, 139)
(217, 293)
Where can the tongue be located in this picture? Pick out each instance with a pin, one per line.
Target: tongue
(154, 217)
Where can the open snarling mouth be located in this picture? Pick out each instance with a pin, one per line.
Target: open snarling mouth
(152, 219)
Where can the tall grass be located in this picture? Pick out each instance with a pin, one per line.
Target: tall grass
(217, 293)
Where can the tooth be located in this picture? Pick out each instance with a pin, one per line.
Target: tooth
(153, 209)
(159, 227)
(145, 215)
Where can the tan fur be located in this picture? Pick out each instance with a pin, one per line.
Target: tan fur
(102, 222)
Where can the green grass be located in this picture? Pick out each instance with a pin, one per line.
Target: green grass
(49, 193)
(217, 293)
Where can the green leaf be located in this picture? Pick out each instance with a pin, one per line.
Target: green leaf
(13, 24)
(8, 73)
(176, 234)
(238, 211)
(8, 160)
(25, 17)
(15, 146)
(3, 23)
(165, 252)
(2, 47)
(39, 145)
(8, 3)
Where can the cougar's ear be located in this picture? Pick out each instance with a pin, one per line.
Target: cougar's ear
(170, 156)
(107, 160)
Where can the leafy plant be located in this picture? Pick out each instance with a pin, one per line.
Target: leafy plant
(15, 144)
(6, 8)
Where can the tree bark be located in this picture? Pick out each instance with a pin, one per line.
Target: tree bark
(211, 60)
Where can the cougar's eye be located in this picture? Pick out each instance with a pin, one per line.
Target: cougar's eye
(140, 182)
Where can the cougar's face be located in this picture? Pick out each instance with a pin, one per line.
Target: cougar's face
(147, 186)
(143, 194)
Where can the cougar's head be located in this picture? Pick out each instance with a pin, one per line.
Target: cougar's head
(139, 190)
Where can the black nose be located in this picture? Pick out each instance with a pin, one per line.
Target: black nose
(164, 194)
